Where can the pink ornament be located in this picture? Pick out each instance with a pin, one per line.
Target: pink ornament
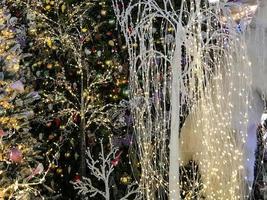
(116, 160)
(15, 155)
(2, 133)
(38, 170)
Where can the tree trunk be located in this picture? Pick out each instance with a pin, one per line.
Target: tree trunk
(175, 121)
(82, 128)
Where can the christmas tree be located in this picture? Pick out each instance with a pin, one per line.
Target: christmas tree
(20, 169)
(76, 61)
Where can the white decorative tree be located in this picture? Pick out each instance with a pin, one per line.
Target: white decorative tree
(102, 169)
(197, 60)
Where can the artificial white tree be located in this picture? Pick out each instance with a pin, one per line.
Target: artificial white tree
(102, 169)
(198, 61)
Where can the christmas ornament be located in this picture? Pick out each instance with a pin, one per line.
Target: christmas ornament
(51, 137)
(77, 178)
(109, 33)
(50, 106)
(38, 170)
(15, 155)
(57, 122)
(99, 53)
(84, 30)
(125, 179)
(108, 62)
(49, 66)
(69, 169)
(67, 154)
(87, 51)
(2, 133)
(111, 43)
(116, 160)
(59, 170)
(103, 12)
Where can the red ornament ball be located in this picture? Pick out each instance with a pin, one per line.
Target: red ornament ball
(15, 155)
(77, 178)
(57, 122)
(109, 33)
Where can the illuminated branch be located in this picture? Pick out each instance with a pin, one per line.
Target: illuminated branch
(102, 169)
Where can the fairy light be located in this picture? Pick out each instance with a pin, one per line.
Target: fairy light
(61, 37)
(14, 119)
(152, 140)
(210, 136)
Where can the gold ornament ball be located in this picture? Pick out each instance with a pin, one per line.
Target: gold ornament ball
(47, 7)
(59, 170)
(126, 179)
(108, 62)
(84, 30)
(103, 12)
(111, 43)
(67, 154)
(49, 66)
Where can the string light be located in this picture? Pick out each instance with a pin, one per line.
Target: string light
(206, 136)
